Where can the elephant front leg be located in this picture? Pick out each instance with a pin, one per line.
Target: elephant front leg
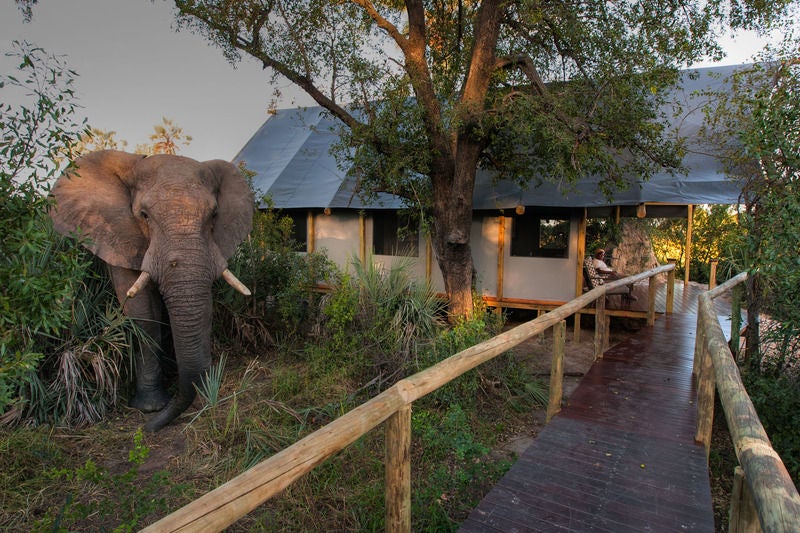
(145, 309)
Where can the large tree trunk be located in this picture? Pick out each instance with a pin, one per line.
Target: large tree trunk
(452, 213)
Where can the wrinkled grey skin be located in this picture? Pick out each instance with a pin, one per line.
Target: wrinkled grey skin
(176, 219)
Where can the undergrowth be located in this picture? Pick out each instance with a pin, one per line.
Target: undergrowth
(252, 405)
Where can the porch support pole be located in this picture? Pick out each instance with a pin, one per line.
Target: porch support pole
(581, 252)
(310, 242)
(362, 237)
(428, 258)
(501, 242)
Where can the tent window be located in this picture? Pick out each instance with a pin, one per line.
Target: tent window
(534, 235)
(299, 230)
(392, 234)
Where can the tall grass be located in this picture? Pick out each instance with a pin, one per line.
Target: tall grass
(373, 323)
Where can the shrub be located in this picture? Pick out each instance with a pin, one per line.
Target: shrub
(64, 343)
(373, 323)
(281, 279)
(777, 401)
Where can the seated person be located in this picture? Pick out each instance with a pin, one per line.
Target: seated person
(600, 265)
(606, 272)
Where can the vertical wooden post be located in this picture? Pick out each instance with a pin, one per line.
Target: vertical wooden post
(576, 335)
(501, 241)
(311, 233)
(540, 312)
(705, 399)
(557, 370)
(699, 346)
(428, 258)
(712, 275)
(688, 252)
(671, 287)
(599, 326)
(581, 252)
(398, 471)
(362, 237)
(743, 517)
(651, 300)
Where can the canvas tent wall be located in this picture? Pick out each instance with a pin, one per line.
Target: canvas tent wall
(293, 164)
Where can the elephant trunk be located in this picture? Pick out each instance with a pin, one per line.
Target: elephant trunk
(190, 308)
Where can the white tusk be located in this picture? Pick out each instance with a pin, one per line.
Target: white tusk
(139, 284)
(234, 282)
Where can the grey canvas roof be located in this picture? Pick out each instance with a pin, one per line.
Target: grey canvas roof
(291, 156)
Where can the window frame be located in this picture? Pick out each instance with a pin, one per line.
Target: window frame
(387, 226)
(526, 234)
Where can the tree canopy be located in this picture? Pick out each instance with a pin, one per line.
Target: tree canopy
(429, 91)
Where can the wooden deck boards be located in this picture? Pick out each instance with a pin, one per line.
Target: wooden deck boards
(621, 454)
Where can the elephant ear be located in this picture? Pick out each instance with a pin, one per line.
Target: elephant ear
(93, 200)
(234, 206)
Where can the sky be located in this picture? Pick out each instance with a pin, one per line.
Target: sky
(134, 69)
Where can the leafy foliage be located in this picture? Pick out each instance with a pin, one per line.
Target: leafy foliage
(39, 272)
(373, 323)
(716, 234)
(280, 279)
(65, 350)
(777, 401)
(757, 124)
(435, 90)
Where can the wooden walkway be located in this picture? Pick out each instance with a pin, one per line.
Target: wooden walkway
(621, 456)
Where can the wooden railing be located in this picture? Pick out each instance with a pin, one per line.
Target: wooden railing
(763, 493)
(229, 502)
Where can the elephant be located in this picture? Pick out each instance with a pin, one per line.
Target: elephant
(165, 225)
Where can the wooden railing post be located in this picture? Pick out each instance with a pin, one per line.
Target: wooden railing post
(712, 274)
(557, 370)
(651, 300)
(743, 517)
(705, 400)
(699, 346)
(398, 471)
(671, 287)
(599, 326)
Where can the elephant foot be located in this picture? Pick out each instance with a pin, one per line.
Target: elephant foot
(150, 401)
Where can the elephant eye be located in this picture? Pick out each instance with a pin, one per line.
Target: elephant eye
(143, 214)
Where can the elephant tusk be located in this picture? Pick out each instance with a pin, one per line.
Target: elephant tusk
(234, 282)
(139, 284)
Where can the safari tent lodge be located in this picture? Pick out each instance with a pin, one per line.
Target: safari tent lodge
(528, 244)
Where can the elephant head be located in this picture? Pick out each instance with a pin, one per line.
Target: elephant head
(166, 224)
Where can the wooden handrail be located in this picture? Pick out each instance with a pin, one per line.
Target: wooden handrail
(773, 494)
(229, 502)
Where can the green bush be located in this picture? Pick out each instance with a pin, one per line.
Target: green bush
(64, 350)
(281, 280)
(777, 401)
(373, 324)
